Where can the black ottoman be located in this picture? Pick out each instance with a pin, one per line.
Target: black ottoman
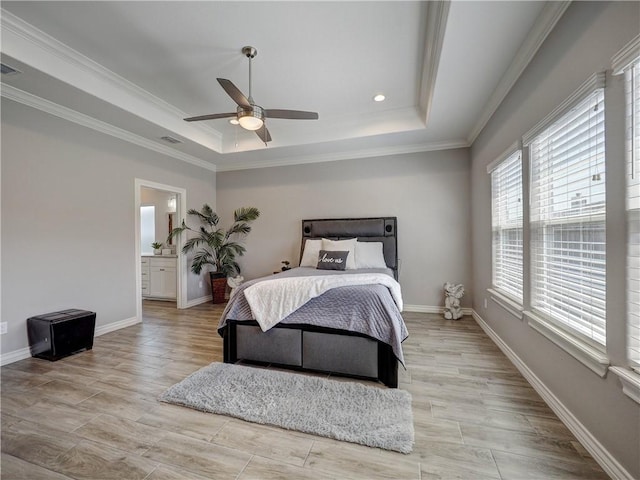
(55, 335)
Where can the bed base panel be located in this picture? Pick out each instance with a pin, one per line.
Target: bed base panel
(310, 348)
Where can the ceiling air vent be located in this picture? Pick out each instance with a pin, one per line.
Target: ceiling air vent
(169, 139)
(7, 70)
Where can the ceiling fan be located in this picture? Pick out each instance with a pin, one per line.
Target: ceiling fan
(249, 115)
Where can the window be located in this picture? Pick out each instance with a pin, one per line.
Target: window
(147, 229)
(567, 216)
(506, 226)
(633, 212)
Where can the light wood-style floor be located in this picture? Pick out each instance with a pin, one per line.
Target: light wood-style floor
(95, 415)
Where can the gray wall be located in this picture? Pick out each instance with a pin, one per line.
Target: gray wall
(582, 43)
(68, 218)
(428, 192)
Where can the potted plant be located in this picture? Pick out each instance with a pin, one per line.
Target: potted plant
(214, 246)
(157, 248)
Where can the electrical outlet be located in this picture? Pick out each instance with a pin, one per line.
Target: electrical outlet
(200, 284)
(3, 328)
(485, 303)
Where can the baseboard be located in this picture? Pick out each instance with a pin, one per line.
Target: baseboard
(431, 309)
(22, 353)
(111, 327)
(198, 301)
(608, 463)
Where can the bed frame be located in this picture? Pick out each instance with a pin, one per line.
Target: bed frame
(311, 348)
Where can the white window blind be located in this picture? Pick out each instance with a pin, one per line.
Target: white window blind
(506, 226)
(567, 215)
(632, 76)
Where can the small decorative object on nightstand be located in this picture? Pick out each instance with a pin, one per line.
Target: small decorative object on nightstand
(453, 294)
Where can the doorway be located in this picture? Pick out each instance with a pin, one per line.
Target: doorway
(169, 206)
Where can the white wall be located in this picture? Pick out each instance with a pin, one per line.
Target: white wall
(584, 41)
(68, 218)
(428, 192)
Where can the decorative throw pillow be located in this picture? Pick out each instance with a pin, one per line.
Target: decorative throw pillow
(310, 254)
(332, 260)
(341, 246)
(370, 255)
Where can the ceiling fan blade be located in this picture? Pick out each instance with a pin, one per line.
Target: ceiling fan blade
(292, 114)
(210, 117)
(264, 134)
(234, 92)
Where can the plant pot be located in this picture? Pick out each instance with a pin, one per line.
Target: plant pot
(218, 287)
(157, 251)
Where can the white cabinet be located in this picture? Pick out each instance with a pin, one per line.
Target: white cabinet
(161, 276)
(145, 276)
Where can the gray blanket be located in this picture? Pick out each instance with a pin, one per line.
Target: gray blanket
(365, 309)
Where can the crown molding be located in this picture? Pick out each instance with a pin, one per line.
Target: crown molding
(34, 47)
(627, 55)
(515, 146)
(545, 23)
(594, 82)
(347, 155)
(70, 115)
(437, 14)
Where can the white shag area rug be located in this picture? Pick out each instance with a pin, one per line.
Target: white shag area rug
(349, 411)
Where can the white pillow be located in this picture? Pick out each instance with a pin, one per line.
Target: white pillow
(342, 245)
(310, 255)
(370, 255)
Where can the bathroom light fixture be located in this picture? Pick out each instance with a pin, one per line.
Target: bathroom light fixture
(171, 205)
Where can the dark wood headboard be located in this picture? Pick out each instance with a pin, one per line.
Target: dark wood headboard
(375, 229)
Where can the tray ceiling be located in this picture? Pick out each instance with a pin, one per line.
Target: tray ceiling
(135, 69)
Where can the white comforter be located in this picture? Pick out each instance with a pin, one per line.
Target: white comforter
(273, 300)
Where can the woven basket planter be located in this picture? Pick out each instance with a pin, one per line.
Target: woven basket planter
(218, 287)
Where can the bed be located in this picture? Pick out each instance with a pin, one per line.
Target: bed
(354, 328)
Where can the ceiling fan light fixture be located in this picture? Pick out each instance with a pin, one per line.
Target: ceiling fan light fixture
(251, 123)
(251, 119)
(249, 115)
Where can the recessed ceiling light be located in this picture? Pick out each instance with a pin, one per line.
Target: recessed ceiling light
(379, 98)
(234, 121)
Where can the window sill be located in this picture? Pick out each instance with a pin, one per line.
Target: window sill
(589, 356)
(505, 302)
(630, 382)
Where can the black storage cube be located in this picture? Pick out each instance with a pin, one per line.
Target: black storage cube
(58, 334)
